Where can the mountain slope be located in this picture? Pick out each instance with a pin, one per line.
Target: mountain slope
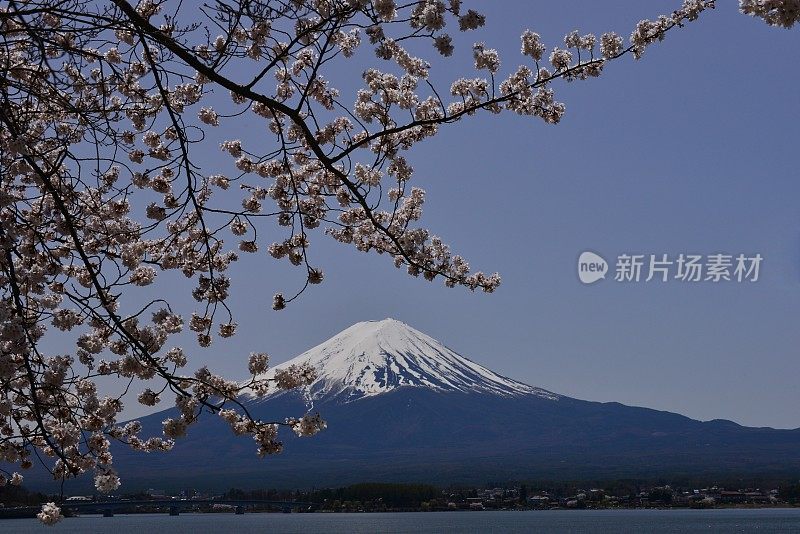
(402, 407)
(419, 435)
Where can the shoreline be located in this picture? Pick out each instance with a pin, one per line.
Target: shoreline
(30, 512)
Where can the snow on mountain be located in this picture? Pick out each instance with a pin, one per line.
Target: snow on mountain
(374, 357)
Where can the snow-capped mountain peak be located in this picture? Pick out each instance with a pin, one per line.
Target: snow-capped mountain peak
(374, 357)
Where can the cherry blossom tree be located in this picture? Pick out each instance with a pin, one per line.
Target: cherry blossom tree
(105, 108)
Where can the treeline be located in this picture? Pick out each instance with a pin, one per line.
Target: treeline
(393, 495)
(790, 493)
(413, 495)
(266, 495)
(11, 496)
(365, 495)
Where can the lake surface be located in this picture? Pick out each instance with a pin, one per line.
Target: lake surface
(572, 521)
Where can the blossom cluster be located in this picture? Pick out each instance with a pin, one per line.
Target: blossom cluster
(50, 514)
(650, 31)
(785, 13)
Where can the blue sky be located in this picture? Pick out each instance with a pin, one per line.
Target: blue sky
(691, 149)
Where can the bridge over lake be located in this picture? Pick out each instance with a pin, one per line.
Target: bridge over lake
(173, 506)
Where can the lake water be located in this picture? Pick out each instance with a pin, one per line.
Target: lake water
(572, 521)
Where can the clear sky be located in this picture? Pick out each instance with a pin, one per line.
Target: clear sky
(694, 148)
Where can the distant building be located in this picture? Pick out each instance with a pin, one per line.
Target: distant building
(475, 503)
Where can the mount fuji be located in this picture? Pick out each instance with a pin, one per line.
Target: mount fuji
(375, 357)
(402, 407)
